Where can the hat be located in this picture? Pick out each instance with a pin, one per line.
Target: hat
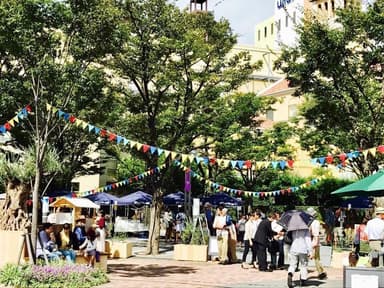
(311, 211)
(81, 217)
(207, 204)
(379, 210)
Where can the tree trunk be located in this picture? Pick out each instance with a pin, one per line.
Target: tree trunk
(13, 213)
(35, 207)
(154, 224)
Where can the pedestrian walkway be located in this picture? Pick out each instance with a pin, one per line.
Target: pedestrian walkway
(163, 272)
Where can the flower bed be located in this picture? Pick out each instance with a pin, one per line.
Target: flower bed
(53, 275)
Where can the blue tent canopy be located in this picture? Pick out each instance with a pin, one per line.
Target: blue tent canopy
(176, 198)
(59, 193)
(218, 198)
(357, 202)
(138, 197)
(104, 199)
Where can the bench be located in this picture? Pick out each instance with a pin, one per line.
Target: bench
(101, 264)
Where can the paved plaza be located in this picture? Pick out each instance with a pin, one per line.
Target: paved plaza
(162, 271)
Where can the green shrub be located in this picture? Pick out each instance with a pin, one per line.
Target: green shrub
(56, 275)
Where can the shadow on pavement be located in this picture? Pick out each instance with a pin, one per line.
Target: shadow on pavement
(310, 283)
(129, 270)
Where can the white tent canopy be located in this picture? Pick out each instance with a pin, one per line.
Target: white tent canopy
(74, 203)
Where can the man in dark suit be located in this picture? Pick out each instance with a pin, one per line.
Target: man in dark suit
(263, 234)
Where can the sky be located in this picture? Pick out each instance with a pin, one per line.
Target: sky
(243, 15)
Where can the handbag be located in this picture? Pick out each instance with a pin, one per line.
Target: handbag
(288, 238)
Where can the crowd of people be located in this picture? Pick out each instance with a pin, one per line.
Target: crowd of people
(65, 244)
(261, 235)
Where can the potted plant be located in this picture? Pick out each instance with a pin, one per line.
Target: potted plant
(119, 247)
(195, 239)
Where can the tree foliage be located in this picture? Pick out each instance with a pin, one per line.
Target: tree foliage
(339, 69)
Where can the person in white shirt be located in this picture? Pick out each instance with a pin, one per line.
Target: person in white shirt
(315, 235)
(375, 232)
(220, 224)
(249, 233)
(301, 249)
(279, 238)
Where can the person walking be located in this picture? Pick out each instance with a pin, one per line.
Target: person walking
(299, 253)
(249, 233)
(314, 230)
(375, 232)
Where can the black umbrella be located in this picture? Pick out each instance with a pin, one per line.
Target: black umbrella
(295, 220)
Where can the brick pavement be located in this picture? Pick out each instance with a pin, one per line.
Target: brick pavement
(163, 272)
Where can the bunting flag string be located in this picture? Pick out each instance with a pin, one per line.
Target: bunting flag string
(214, 185)
(22, 114)
(185, 158)
(124, 182)
(339, 160)
(260, 194)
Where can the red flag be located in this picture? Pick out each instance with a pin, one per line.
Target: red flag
(145, 148)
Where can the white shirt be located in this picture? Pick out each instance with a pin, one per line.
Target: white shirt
(375, 229)
(301, 242)
(277, 228)
(250, 230)
(315, 232)
(220, 221)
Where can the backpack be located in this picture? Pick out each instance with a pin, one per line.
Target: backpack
(288, 238)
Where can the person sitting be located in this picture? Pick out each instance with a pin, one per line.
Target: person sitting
(78, 236)
(64, 242)
(46, 244)
(89, 247)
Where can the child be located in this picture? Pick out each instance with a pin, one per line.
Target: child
(51, 247)
(89, 247)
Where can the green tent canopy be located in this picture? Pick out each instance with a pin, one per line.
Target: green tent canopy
(372, 185)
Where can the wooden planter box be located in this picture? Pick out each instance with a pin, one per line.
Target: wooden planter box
(188, 252)
(118, 249)
(11, 243)
(102, 264)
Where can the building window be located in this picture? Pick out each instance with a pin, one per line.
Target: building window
(292, 110)
(286, 20)
(326, 6)
(272, 29)
(319, 6)
(265, 32)
(279, 25)
(294, 17)
(269, 115)
(333, 5)
(258, 35)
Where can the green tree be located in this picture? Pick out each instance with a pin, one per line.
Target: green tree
(339, 69)
(177, 66)
(48, 52)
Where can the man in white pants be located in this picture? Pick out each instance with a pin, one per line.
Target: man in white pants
(375, 232)
(315, 235)
(298, 254)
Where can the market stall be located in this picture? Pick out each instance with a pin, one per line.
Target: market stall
(76, 205)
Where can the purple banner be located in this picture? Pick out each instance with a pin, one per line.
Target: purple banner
(187, 182)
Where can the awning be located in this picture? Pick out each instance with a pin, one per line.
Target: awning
(74, 203)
